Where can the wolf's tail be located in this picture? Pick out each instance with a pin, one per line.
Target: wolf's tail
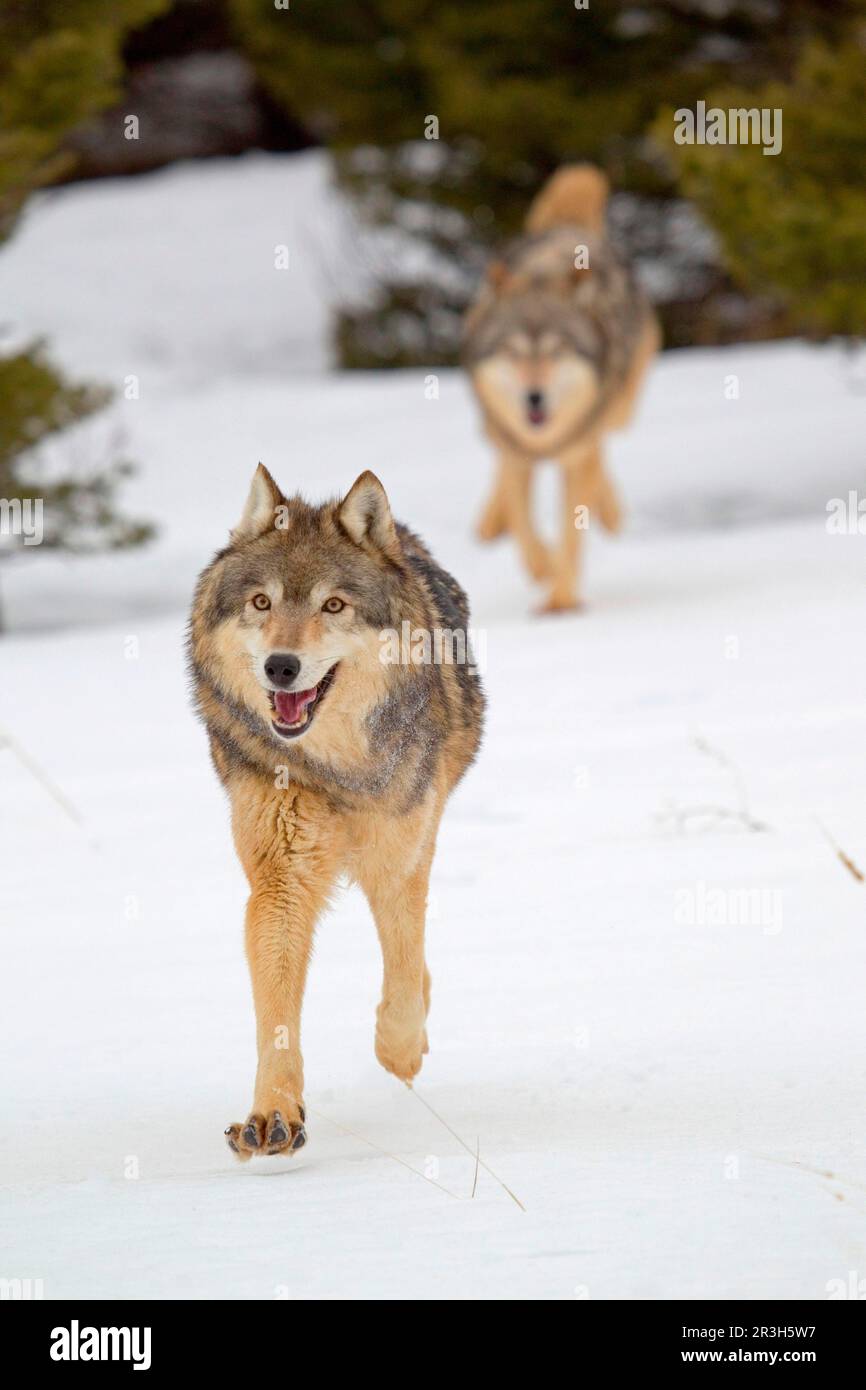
(575, 193)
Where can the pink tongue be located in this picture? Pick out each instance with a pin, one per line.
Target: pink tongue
(290, 704)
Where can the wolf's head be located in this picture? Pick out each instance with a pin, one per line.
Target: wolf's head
(538, 386)
(536, 362)
(536, 342)
(286, 620)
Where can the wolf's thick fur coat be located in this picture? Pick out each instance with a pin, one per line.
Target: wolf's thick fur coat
(362, 791)
(560, 316)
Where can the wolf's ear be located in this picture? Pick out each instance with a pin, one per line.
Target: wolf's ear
(365, 514)
(258, 514)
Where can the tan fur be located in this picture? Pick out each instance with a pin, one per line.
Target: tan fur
(588, 405)
(576, 193)
(293, 848)
(347, 804)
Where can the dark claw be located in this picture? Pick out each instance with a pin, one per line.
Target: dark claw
(278, 1133)
(302, 1112)
(250, 1134)
(299, 1140)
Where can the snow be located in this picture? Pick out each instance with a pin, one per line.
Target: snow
(666, 1086)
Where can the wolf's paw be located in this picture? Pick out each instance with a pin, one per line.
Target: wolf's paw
(490, 527)
(273, 1134)
(612, 520)
(400, 1043)
(404, 1059)
(560, 603)
(538, 560)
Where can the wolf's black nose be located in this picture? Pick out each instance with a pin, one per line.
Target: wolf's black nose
(281, 668)
(535, 399)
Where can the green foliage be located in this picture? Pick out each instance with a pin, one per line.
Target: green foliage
(522, 84)
(36, 402)
(518, 88)
(59, 64)
(793, 224)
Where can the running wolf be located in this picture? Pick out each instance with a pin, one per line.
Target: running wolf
(556, 345)
(335, 760)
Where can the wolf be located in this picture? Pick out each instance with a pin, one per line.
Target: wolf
(335, 760)
(556, 344)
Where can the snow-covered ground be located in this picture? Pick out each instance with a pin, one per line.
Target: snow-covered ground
(647, 1014)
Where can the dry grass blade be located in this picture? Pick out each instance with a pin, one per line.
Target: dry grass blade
(386, 1154)
(463, 1144)
(42, 778)
(843, 858)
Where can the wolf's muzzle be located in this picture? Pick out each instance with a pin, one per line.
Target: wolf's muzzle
(294, 710)
(281, 669)
(535, 407)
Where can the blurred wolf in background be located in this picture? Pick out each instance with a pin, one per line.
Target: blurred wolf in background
(335, 760)
(556, 345)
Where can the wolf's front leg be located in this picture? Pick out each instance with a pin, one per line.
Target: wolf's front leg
(398, 901)
(493, 521)
(278, 938)
(517, 496)
(290, 880)
(581, 482)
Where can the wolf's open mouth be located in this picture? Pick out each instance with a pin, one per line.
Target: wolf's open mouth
(294, 710)
(537, 414)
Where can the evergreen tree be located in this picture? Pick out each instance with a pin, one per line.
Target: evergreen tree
(793, 224)
(37, 402)
(60, 61)
(517, 88)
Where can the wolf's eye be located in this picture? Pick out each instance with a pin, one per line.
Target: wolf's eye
(333, 605)
(261, 602)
